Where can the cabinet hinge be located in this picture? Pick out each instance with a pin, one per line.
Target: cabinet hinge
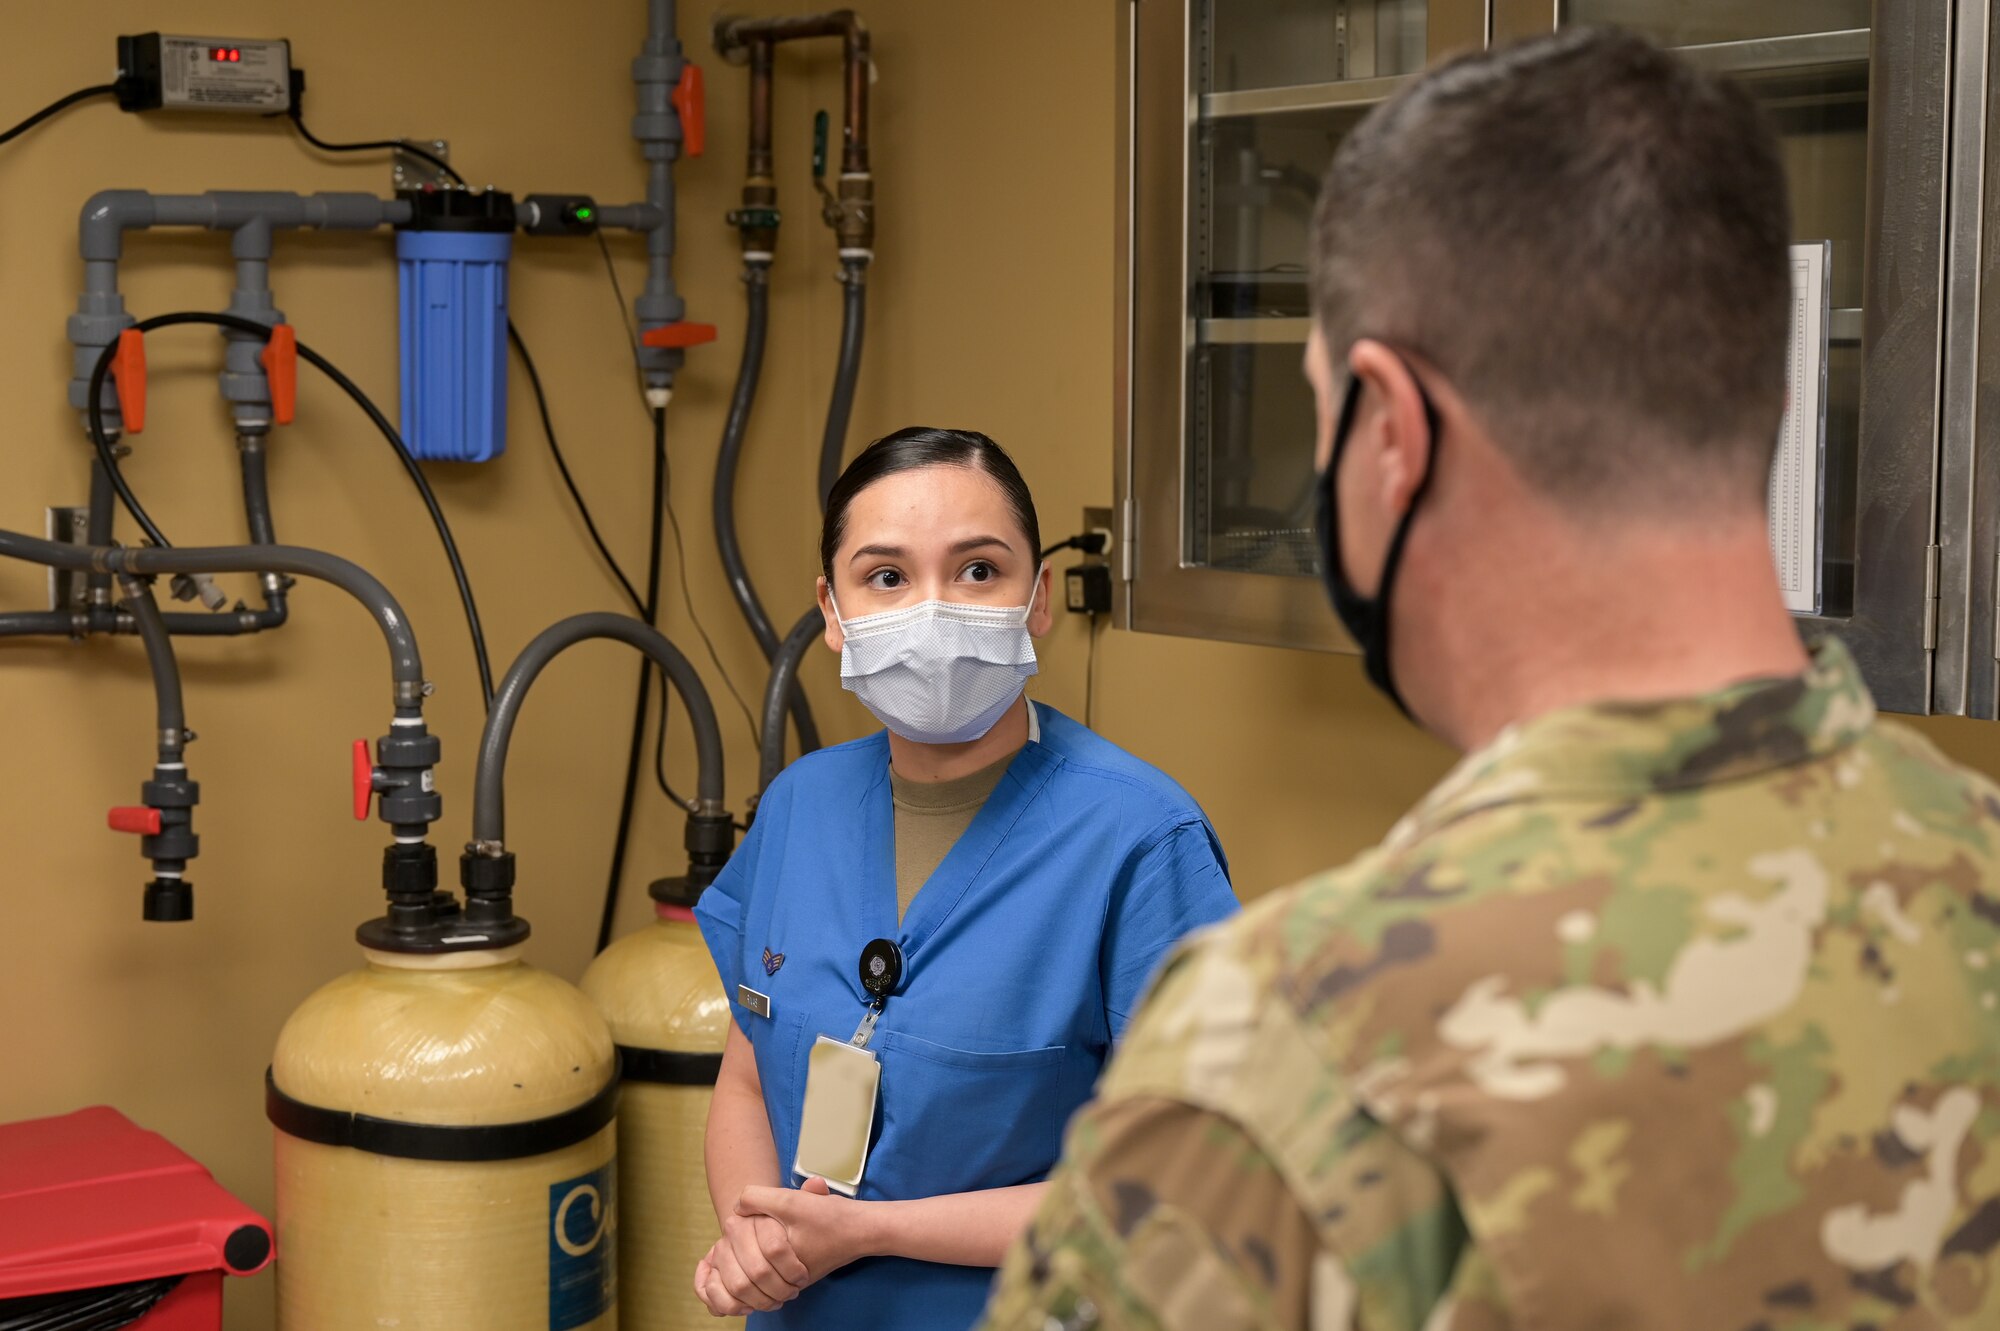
(1128, 537)
(1930, 597)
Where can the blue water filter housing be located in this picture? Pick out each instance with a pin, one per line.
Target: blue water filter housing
(452, 261)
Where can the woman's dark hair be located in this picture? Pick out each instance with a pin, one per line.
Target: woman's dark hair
(922, 446)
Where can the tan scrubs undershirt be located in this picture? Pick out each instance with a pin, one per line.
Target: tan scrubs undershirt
(932, 815)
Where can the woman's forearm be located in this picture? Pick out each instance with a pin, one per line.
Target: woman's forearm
(738, 1149)
(959, 1229)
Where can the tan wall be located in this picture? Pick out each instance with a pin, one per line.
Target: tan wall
(991, 308)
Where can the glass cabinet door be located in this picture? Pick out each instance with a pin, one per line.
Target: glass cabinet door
(1235, 107)
(1818, 68)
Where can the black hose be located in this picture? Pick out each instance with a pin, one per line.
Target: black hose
(60, 104)
(257, 515)
(94, 413)
(489, 814)
(406, 666)
(784, 679)
(98, 528)
(635, 757)
(854, 311)
(256, 490)
(172, 712)
(757, 287)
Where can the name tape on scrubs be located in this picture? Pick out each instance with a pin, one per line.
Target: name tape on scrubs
(754, 1001)
(842, 1081)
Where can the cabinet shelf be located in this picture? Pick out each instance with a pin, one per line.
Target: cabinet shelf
(1843, 328)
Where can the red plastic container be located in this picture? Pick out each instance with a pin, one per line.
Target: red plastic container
(91, 1201)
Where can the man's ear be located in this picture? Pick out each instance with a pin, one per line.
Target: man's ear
(1400, 425)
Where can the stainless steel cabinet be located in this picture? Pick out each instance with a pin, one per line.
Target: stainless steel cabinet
(1234, 107)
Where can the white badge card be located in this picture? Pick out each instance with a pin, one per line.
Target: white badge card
(842, 1081)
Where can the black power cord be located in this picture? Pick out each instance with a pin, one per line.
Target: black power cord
(611, 563)
(60, 104)
(109, 457)
(297, 116)
(650, 612)
(1090, 542)
(562, 468)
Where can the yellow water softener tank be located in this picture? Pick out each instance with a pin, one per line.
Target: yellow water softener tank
(446, 1154)
(661, 993)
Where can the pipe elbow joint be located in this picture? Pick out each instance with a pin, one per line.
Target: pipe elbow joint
(107, 215)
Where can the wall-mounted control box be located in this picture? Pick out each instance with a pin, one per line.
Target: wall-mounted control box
(158, 71)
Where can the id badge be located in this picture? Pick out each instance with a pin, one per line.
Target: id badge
(842, 1080)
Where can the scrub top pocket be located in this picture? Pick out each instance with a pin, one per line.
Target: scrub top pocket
(780, 1045)
(983, 1120)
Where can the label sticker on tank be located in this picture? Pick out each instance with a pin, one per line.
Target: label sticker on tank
(583, 1243)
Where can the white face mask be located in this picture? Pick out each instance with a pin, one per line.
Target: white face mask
(941, 672)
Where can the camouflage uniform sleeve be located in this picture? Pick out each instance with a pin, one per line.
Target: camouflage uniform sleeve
(1226, 1179)
(1163, 1217)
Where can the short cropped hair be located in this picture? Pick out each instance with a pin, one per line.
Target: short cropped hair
(1587, 237)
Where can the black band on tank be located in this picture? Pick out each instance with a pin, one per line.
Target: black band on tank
(435, 1141)
(668, 1067)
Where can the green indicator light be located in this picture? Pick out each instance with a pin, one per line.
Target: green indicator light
(585, 214)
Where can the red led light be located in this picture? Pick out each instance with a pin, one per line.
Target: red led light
(227, 55)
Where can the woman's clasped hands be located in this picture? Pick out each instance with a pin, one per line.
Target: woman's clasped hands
(776, 1243)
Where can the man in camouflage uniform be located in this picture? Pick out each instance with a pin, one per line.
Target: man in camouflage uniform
(1674, 1006)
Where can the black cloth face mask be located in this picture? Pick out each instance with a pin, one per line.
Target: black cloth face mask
(1366, 618)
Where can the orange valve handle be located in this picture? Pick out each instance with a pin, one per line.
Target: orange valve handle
(364, 780)
(678, 335)
(691, 105)
(139, 819)
(280, 359)
(128, 372)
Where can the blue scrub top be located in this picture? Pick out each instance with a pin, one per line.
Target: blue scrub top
(1024, 954)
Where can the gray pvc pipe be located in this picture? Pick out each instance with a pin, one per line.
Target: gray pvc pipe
(109, 214)
(489, 796)
(657, 127)
(166, 671)
(784, 677)
(405, 665)
(628, 216)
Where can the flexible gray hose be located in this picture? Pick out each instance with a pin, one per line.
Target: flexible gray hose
(784, 677)
(405, 664)
(489, 812)
(854, 311)
(757, 286)
(166, 671)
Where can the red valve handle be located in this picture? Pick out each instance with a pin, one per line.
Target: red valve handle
(280, 359)
(128, 375)
(140, 819)
(678, 335)
(691, 104)
(364, 780)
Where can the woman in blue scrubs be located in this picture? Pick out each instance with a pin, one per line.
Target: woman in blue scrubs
(1029, 875)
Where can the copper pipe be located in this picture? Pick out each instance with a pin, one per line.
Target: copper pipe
(761, 82)
(735, 35)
